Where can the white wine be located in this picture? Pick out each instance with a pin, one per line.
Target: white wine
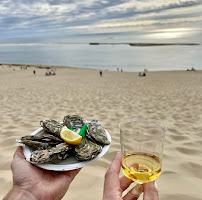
(141, 168)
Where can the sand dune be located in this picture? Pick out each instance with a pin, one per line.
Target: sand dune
(173, 97)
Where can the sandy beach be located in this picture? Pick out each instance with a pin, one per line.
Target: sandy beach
(173, 97)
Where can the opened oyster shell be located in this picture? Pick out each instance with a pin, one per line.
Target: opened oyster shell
(44, 141)
(72, 120)
(52, 126)
(36, 145)
(43, 137)
(97, 134)
(87, 150)
(52, 155)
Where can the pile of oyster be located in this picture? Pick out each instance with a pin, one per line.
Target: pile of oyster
(48, 147)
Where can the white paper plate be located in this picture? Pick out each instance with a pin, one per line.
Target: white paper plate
(69, 163)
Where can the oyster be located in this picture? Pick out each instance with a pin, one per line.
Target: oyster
(72, 120)
(52, 126)
(40, 142)
(86, 150)
(52, 155)
(97, 134)
(43, 137)
(36, 145)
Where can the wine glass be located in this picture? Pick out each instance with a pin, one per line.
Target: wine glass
(142, 148)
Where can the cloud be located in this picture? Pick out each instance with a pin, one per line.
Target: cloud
(34, 16)
(133, 10)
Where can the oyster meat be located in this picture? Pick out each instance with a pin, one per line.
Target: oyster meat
(87, 150)
(72, 120)
(52, 155)
(97, 134)
(52, 126)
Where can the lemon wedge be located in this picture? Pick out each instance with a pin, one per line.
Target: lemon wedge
(69, 136)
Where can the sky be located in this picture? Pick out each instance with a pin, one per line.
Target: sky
(33, 18)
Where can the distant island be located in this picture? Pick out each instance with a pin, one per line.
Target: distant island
(143, 44)
(100, 43)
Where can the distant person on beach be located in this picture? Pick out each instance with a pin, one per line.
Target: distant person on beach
(53, 72)
(144, 74)
(33, 183)
(192, 69)
(49, 73)
(34, 72)
(100, 73)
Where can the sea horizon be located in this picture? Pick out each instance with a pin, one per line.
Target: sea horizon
(127, 51)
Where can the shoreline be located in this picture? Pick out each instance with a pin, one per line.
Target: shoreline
(42, 66)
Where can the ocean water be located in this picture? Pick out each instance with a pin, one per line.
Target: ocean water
(75, 51)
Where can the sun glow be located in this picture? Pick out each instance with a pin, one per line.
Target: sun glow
(170, 33)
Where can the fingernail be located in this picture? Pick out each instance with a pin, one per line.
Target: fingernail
(155, 184)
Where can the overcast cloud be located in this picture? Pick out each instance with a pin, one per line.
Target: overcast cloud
(21, 18)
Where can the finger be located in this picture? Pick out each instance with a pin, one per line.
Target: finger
(150, 191)
(134, 193)
(19, 153)
(112, 180)
(115, 166)
(114, 169)
(125, 183)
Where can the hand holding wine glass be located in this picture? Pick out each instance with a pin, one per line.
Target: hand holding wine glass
(142, 147)
(115, 186)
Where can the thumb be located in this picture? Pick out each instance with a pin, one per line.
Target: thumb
(150, 191)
